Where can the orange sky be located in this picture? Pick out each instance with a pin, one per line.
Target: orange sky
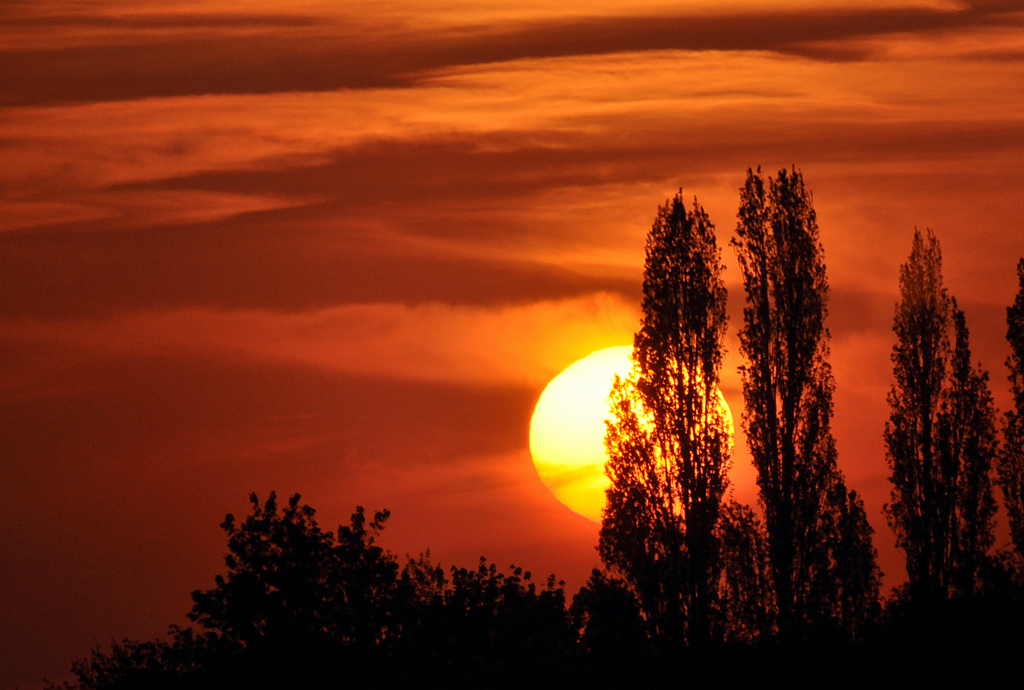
(285, 246)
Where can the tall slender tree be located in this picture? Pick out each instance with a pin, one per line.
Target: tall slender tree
(920, 510)
(669, 442)
(787, 387)
(940, 437)
(1011, 461)
(969, 448)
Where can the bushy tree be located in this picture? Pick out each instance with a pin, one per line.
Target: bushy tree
(788, 387)
(607, 614)
(854, 593)
(300, 605)
(295, 602)
(502, 622)
(940, 438)
(291, 585)
(669, 442)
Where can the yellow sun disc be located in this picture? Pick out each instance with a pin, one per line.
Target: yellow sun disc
(568, 427)
(567, 430)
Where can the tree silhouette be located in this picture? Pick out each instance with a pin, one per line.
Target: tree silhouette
(967, 442)
(788, 386)
(852, 601)
(1011, 462)
(495, 626)
(290, 585)
(608, 616)
(747, 598)
(668, 443)
(940, 436)
(296, 601)
(920, 511)
(300, 605)
(178, 663)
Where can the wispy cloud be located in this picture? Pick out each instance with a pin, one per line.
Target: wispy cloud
(521, 345)
(147, 55)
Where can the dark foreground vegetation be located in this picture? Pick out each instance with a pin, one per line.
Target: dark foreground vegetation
(696, 587)
(300, 606)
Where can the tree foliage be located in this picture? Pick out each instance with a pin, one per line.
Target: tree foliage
(156, 664)
(608, 616)
(747, 610)
(968, 443)
(291, 584)
(1011, 462)
(298, 603)
(851, 600)
(941, 438)
(788, 387)
(920, 511)
(668, 443)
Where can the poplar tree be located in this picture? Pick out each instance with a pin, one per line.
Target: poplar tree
(968, 446)
(940, 437)
(669, 443)
(920, 510)
(1011, 462)
(787, 388)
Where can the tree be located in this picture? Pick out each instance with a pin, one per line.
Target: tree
(607, 615)
(296, 603)
(920, 510)
(299, 605)
(787, 388)
(968, 446)
(669, 445)
(855, 590)
(1011, 461)
(940, 437)
(747, 600)
(290, 585)
(517, 632)
(159, 664)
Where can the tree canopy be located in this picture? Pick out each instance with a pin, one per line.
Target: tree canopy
(669, 442)
(941, 436)
(298, 603)
(787, 388)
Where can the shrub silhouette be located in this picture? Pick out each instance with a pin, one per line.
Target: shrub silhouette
(299, 604)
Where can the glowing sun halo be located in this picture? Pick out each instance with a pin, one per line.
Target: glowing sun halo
(568, 426)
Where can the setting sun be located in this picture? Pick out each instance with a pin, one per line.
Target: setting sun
(567, 430)
(568, 427)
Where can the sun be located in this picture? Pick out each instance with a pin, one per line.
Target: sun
(567, 430)
(568, 427)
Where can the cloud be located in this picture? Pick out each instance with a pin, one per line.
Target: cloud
(530, 124)
(521, 345)
(292, 54)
